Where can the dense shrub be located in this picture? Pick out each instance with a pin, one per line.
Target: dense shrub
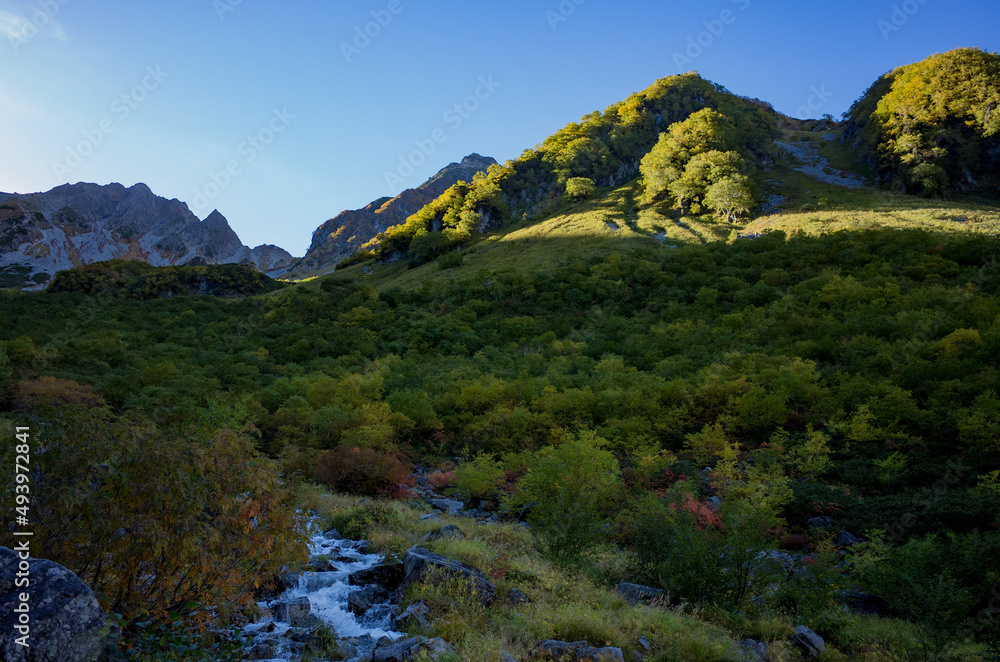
(362, 471)
(152, 519)
(568, 489)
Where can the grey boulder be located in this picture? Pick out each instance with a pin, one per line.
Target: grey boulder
(66, 621)
(637, 593)
(810, 642)
(420, 563)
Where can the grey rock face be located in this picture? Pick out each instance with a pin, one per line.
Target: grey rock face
(420, 562)
(85, 223)
(411, 649)
(344, 234)
(66, 621)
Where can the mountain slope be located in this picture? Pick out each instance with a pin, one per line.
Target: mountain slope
(78, 224)
(933, 127)
(348, 231)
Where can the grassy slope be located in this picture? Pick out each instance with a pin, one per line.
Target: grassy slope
(585, 228)
(568, 605)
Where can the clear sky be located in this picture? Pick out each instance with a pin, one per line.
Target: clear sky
(310, 115)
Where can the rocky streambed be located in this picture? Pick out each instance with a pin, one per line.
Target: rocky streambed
(316, 612)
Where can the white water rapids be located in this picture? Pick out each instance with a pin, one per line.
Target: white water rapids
(327, 593)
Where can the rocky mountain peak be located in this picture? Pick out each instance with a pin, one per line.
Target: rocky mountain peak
(348, 231)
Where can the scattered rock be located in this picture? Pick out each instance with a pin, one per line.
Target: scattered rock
(820, 522)
(289, 580)
(294, 611)
(450, 532)
(448, 505)
(414, 648)
(713, 503)
(323, 565)
(753, 651)
(416, 616)
(333, 534)
(67, 623)
(507, 657)
(517, 598)
(578, 651)
(636, 593)
(846, 539)
(262, 651)
(419, 561)
(810, 642)
(388, 575)
(360, 601)
(431, 517)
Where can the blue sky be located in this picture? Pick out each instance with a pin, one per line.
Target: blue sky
(280, 115)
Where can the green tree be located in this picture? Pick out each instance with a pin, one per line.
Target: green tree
(579, 188)
(569, 488)
(731, 197)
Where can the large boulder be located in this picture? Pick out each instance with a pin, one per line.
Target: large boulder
(65, 623)
(846, 539)
(388, 575)
(419, 563)
(295, 611)
(810, 642)
(360, 601)
(637, 593)
(578, 651)
(414, 648)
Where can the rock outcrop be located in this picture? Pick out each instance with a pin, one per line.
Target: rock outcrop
(65, 621)
(344, 234)
(76, 224)
(421, 563)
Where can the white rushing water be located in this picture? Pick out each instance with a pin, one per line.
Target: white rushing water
(327, 593)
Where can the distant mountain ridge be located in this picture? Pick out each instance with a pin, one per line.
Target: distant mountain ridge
(77, 224)
(344, 234)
